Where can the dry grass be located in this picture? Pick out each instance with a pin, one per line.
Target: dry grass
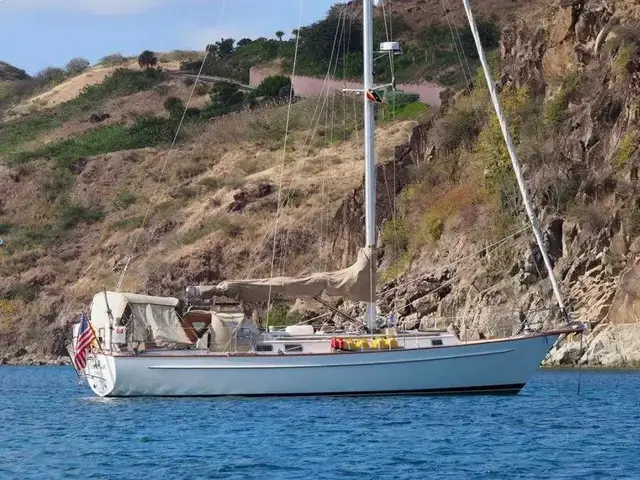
(68, 90)
(189, 216)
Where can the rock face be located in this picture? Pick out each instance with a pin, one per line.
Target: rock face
(614, 346)
(596, 254)
(9, 72)
(391, 178)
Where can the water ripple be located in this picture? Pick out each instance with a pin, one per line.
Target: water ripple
(50, 427)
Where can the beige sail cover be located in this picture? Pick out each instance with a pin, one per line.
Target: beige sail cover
(352, 283)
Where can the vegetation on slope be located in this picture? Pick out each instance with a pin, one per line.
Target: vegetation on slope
(333, 45)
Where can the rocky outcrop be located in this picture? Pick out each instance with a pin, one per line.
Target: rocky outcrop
(391, 178)
(9, 72)
(596, 250)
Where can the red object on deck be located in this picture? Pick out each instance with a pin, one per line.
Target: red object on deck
(337, 343)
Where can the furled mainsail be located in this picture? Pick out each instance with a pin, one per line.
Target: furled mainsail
(351, 283)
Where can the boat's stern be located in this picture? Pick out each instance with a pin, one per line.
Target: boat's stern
(99, 371)
(100, 374)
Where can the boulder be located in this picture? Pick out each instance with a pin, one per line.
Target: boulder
(569, 353)
(615, 346)
(410, 322)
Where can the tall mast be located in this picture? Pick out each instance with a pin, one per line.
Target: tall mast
(369, 158)
(514, 158)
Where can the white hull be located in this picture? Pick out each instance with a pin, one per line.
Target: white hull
(489, 366)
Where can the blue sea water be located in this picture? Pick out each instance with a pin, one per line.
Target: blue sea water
(51, 427)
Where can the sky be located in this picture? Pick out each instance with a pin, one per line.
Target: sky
(35, 34)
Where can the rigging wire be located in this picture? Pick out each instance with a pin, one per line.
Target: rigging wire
(329, 79)
(454, 263)
(164, 166)
(284, 156)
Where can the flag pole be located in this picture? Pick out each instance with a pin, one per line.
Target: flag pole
(95, 336)
(110, 316)
(73, 363)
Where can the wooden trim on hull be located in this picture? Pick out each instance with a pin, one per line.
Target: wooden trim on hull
(511, 389)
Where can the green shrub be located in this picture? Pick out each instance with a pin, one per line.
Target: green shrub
(124, 200)
(145, 132)
(624, 57)
(52, 75)
(113, 59)
(5, 228)
(76, 66)
(147, 59)
(495, 65)
(225, 98)
(174, 106)
(411, 111)
(395, 234)
(279, 316)
(491, 149)
(459, 127)
(202, 89)
(273, 87)
(435, 227)
(121, 82)
(400, 98)
(28, 238)
(626, 148)
(397, 268)
(72, 215)
(21, 291)
(14, 134)
(555, 111)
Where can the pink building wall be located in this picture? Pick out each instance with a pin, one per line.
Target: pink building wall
(311, 86)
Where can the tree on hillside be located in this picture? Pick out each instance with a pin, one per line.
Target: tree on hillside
(489, 35)
(279, 35)
(174, 106)
(243, 41)
(52, 75)
(113, 59)
(225, 98)
(77, 65)
(212, 50)
(147, 59)
(295, 32)
(317, 41)
(225, 47)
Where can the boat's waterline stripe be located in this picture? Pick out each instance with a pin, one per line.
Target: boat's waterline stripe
(513, 389)
(324, 365)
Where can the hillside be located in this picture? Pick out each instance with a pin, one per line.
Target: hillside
(455, 252)
(9, 73)
(433, 33)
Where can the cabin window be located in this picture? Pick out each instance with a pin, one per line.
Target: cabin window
(264, 348)
(436, 342)
(293, 348)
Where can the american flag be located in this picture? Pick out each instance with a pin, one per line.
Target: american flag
(85, 338)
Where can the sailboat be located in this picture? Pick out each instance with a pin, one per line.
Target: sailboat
(150, 346)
